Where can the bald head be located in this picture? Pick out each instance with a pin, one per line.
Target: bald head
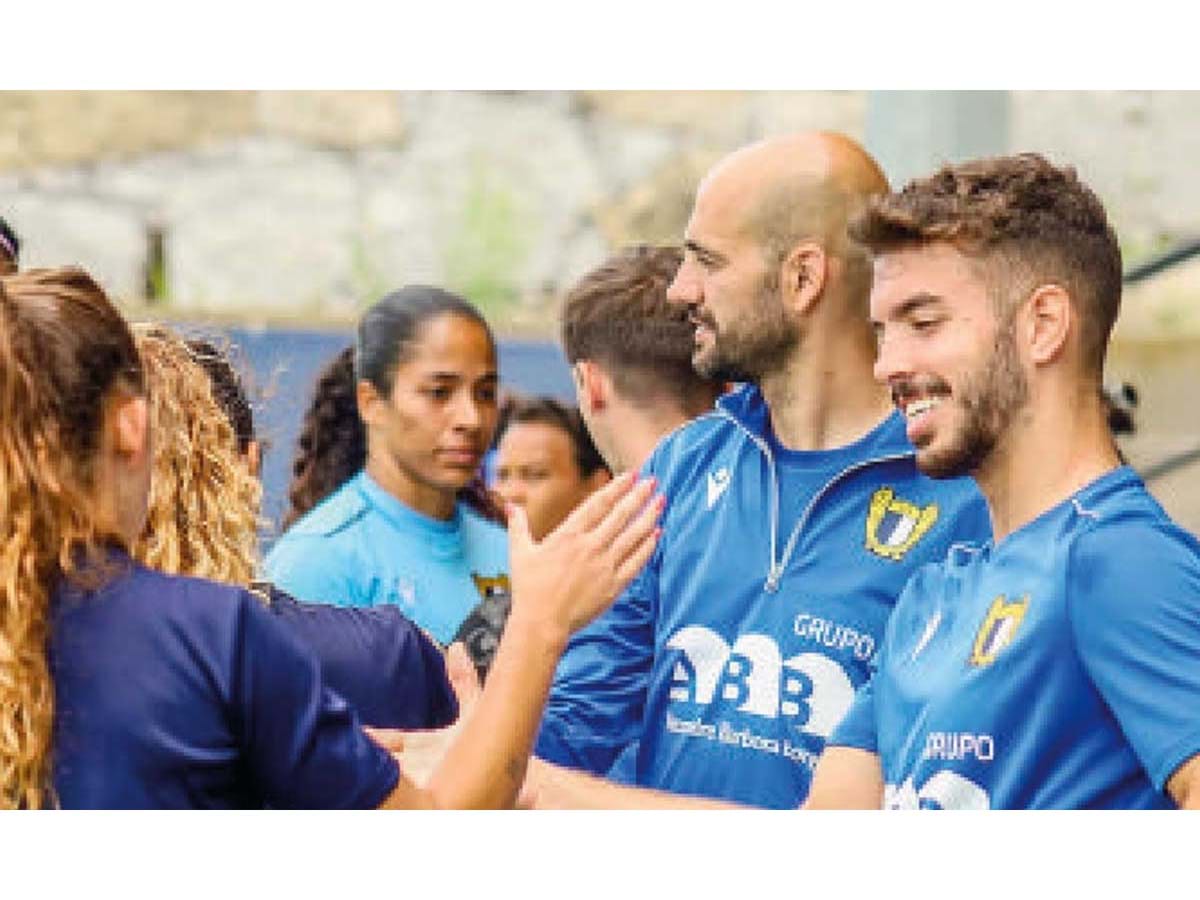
(806, 186)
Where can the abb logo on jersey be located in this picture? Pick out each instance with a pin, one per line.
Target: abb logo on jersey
(752, 677)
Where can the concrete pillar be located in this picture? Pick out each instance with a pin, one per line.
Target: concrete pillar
(911, 133)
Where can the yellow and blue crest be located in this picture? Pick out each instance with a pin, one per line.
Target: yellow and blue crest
(495, 586)
(998, 629)
(894, 526)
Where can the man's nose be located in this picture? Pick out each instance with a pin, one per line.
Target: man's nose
(685, 287)
(889, 359)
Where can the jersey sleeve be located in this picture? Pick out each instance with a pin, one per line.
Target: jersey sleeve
(1134, 605)
(596, 703)
(858, 727)
(377, 659)
(306, 568)
(302, 742)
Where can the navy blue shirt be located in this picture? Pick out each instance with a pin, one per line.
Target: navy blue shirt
(175, 692)
(375, 657)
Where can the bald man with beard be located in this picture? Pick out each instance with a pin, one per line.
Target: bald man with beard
(795, 513)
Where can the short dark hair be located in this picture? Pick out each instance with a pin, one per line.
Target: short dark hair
(1025, 220)
(618, 315)
(520, 410)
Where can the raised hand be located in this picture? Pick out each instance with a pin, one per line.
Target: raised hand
(577, 570)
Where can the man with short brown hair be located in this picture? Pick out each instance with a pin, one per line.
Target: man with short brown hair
(630, 353)
(1056, 666)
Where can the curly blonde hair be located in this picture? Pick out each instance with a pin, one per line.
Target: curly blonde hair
(64, 351)
(204, 502)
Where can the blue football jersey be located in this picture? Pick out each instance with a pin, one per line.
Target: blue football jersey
(724, 667)
(363, 547)
(1059, 668)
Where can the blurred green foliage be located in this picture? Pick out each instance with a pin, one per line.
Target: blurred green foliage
(487, 248)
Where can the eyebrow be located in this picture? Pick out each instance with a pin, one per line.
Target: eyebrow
(701, 250)
(909, 306)
(916, 302)
(458, 376)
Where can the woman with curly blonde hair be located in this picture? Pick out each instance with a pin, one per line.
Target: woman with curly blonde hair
(204, 518)
(204, 501)
(125, 687)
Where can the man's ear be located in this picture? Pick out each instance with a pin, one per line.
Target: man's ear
(1047, 317)
(803, 274)
(592, 385)
(130, 418)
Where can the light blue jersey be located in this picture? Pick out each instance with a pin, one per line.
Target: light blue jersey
(732, 656)
(1058, 669)
(361, 547)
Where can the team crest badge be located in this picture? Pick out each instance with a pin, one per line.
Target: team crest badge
(894, 526)
(489, 588)
(998, 629)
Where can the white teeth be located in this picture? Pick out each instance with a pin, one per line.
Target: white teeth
(917, 407)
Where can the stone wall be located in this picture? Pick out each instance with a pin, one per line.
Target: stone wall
(314, 202)
(310, 203)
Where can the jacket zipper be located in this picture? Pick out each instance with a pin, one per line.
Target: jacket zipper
(775, 572)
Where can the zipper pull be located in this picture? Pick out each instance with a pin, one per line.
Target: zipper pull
(773, 577)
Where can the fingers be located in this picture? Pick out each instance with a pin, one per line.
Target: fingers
(637, 531)
(519, 538)
(592, 511)
(633, 563)
(605, 532)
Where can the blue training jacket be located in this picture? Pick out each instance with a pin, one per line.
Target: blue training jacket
(727, 663)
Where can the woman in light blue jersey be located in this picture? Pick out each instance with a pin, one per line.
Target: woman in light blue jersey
(400, 531)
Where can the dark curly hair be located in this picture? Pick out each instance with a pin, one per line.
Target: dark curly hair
(333, 443)
(332, 447)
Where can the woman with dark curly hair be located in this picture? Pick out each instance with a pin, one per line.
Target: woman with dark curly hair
(390, 454)
(332, 447)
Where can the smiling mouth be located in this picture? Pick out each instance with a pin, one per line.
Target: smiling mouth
(701, 325)
(698, 319)
(914, 408)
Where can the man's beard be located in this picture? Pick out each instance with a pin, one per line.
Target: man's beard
(753, 346)
(990, 399)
